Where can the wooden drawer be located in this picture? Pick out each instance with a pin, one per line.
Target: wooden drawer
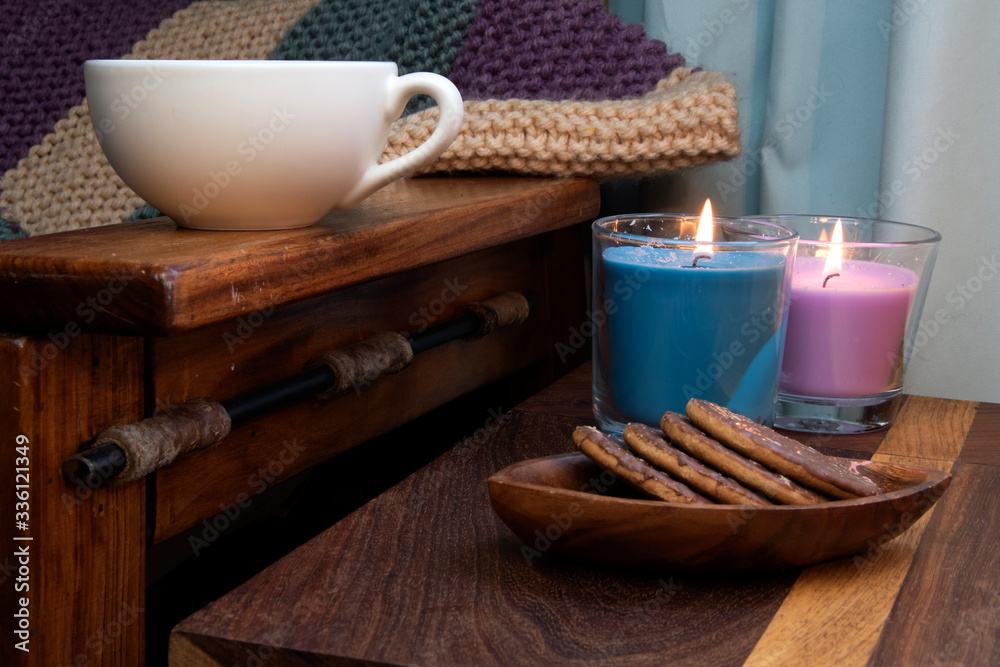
(107, 325)
(231, 357)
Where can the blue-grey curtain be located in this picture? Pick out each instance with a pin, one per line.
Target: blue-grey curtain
(863, 108)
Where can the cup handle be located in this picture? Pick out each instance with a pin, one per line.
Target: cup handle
(400, 90)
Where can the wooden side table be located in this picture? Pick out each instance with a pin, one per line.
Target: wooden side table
(110, 325)
(427, 574)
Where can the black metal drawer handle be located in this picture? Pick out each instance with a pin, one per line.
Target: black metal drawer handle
(127, 452)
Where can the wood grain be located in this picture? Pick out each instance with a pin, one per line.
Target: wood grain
(294, 293)
(87, 556)
(930, 428)
(233, 356)
(956, 578)
(186, 649)
(151, 278)
(453, 586)
(836, 610)
(983, 442)
(457, 588)
(268, 450)
(622, 529)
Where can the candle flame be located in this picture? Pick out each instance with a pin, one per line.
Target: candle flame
(705, 224)
(833, 260)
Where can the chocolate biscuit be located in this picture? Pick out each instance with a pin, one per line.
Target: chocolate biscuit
(778, 488)
(650, 445)
(630, 468)
(789, 457)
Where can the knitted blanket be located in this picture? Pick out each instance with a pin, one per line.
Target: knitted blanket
(551, 87)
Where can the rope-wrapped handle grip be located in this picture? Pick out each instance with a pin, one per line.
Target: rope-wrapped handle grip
(128, 452)
(359, 364)
(500, 311)
(156, 441)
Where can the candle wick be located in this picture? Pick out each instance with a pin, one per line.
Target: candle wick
(694, 264)
(828, 278)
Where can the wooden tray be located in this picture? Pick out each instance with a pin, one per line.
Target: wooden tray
(541, 501)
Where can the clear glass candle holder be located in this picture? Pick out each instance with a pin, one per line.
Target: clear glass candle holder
(855, 308)
(676, 318)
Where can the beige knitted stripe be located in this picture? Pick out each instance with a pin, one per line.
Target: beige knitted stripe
(690, 118)
(65, 182)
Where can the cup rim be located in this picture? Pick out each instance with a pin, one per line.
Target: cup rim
(931, 236)
(138, 63)
(785, 236)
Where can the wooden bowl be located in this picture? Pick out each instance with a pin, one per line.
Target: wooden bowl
(541, 501)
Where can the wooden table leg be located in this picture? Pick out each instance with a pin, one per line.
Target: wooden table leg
(72, 569)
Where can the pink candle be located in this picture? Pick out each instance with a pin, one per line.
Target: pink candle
(845, 339)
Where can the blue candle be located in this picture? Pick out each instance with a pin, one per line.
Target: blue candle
(689, 322)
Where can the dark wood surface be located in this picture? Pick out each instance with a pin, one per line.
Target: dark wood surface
(619, 529)
(426, 574)
(271, 448)
(91, 541)
(112, 324)
(151, 278)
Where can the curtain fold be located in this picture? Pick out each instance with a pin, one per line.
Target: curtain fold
(941, 168)
(863, 108)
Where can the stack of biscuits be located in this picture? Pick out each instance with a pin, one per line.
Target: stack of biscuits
(713, 455)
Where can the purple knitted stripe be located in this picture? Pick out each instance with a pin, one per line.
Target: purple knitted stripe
(42, 48)
(557, 49)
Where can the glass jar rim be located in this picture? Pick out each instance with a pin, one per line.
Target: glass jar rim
(783, 235)
(930, 236)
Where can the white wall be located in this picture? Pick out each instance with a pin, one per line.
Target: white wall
(932, 159)
(941, 169)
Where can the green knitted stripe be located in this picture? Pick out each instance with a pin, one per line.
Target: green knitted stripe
(7, 231)
(144, 212)
(419, 35)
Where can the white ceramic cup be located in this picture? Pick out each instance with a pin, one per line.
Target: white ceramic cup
(258, 144)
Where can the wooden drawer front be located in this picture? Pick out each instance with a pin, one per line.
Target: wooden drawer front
(44, 415)
(223, 360)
